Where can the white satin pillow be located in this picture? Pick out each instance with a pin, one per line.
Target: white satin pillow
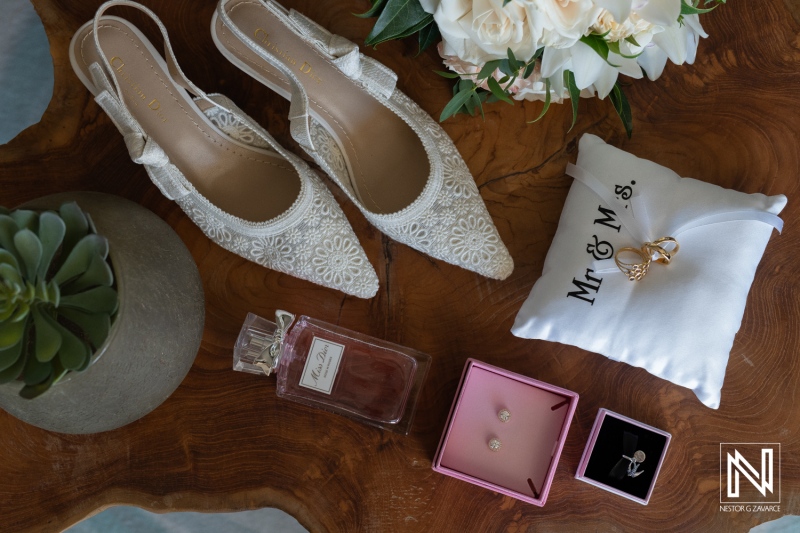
(695, 304)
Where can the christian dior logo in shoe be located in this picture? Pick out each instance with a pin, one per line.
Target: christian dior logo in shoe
(133, 88)
(305, 68)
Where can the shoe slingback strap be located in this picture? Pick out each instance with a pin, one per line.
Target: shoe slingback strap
(342, 52)
(345, 55)
(142, 149)
(299, 117)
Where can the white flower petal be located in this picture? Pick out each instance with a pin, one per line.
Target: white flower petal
(553, 59)
(661, 12)
(619, 9)
(673, 41)
(605, 81)
(586, 64)
(430, 5)
(653, 60)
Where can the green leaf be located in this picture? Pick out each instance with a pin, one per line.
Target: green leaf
(36, 371)
(77, 227)
(26, 219)
(528, 70)
(428, 36)
(513, 64)
(421, 25)
(29, 392)
(505, 2)
(631, 39)
(450, 75)
(599, 45)
(688, 9)
(614, 47)
(97, 300)
(80, 258)
(7, 258)
(95, 326)
(623, 108)
(51, 233)
(574, 95)
(488, 69)
(396, 19)
(30, 249)
(9, 228)
(498, 91)
(374, 11)
(11, 373)
(457, 102)
(97, 274)
(546, 101)
(11, 333)
(505, 68)
(48, 338)
(73, 352)
(9, 356)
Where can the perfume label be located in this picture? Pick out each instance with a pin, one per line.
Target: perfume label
(322, 364)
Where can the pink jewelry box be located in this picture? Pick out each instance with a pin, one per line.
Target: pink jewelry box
(530, 441)
(605, 451)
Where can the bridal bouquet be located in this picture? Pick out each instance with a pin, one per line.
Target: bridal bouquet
(548, 50)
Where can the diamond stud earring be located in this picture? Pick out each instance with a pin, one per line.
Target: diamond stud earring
(494, 444)
(504, 415)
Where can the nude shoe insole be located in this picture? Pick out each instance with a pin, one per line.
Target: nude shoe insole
(250, 183)
(389, 166)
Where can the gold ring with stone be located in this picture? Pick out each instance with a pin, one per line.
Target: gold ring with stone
(657, 246)
(634, 271)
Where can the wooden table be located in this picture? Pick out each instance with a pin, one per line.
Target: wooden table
(223, 441)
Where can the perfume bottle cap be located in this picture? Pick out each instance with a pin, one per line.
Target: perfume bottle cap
(260, 343)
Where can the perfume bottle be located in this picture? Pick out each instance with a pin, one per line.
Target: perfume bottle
(335, 369)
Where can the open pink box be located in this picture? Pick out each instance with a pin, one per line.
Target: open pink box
(531, 440)
(606, 460)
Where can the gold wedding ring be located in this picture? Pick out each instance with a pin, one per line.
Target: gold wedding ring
(634, 271)
(658, 247)
(638, 270)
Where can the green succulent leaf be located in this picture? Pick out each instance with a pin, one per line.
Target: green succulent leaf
(97, 300)
(11, 333)
(73, 352)
(80, 258)
(98, 274)
(26, 219)
(396, 19)
(95, 326)
(51, 234)
(58, 371)
(30, 249)
(29, 392)
(48, 338)
(13, 372)
(77, 226)
(4, 210)
(9, 228)
(7, 258)
(9, 356)
(35, 371)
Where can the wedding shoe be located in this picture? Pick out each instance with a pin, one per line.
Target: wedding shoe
(389, 156)
(245, 191)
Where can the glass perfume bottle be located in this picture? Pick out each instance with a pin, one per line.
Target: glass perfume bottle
(332, 368)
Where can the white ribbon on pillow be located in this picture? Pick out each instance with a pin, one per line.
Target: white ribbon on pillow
(637, 223)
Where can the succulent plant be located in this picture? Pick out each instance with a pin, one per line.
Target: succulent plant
(57, 295)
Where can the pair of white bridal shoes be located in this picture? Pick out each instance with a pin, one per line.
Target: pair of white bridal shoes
(253, 197)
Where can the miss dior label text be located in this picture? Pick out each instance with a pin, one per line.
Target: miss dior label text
(322, 364)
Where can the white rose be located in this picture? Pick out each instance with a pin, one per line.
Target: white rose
(564, 21)
(478, 31)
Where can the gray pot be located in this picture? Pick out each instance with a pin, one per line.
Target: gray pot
(154, 338)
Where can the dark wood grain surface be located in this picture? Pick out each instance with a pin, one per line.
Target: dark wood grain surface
(224, 441)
